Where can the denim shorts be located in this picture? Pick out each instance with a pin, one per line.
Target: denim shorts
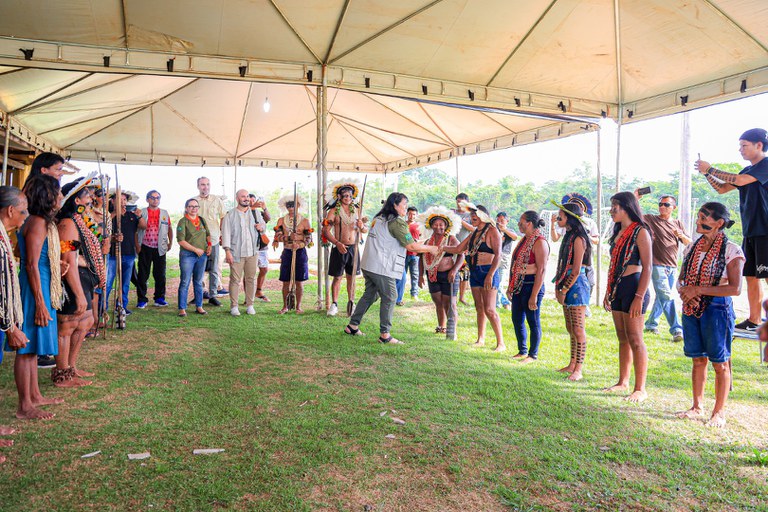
(710, 336)
(477, 275)
(578, 294)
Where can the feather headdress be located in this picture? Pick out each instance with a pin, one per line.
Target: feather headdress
(288, 198)
(334, 189)
(452, 221)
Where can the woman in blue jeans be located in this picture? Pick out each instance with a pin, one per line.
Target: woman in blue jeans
(526, 284)
(710, 275)
(195, 243)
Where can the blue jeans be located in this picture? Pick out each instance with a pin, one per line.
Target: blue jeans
(127, 271)
(192, 269)
(412, 266)
(521, 313)
(663, 279)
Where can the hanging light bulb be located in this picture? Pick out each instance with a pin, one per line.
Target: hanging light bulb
(267, 105)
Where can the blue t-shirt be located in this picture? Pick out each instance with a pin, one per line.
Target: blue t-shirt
(754, 200)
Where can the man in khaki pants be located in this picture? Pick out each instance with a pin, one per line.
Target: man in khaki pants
(240, 239)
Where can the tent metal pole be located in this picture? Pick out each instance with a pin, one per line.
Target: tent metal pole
(684, 187)
(320, 190)
(5, 148)
(619, 88)
(323, 155)
(458, 185)
(618, 152)
(599, 203)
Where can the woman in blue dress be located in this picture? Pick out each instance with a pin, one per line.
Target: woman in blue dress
(40, 290)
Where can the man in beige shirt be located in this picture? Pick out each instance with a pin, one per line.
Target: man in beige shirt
(212, 209)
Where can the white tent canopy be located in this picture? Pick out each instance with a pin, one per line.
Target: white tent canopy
(150, 119)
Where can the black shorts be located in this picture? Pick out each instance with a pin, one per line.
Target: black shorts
(302, 265)
(442, 285)
(87, 282)
(756, 252)
(339, 264)
(625, 294)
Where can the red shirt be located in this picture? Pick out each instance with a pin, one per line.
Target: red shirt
(413, 227)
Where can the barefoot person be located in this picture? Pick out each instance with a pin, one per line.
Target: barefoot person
(572, 285)
(340, 228)
(82, 251)
(294, 240)
(626, 295)
(710, 276)
(383, 262)
(40, 291)
(442, 270)
(526, 284)
(483, 248)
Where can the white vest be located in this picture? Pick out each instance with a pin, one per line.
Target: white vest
(383, 254)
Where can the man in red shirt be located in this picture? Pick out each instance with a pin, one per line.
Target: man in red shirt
(411, 260)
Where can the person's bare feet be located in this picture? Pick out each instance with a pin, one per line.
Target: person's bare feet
(566, 369)
(299, 311)
(500, 348)
(6, 442)
(691, 414)
(615, 388)
(527, 360)
(480, 342)
(74, 382)
(47, 401)
(518, 356)
(34, 413)
(282, 311)
(83, 373)
(575, 376)
(7, 431)
(464, 302)
(636, 397)
(717, 420)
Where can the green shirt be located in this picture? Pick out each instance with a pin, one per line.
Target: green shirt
(196, 236)
(398, 228)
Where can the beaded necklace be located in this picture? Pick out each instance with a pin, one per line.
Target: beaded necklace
(91, 250)
(564, 258)
(346, 218)
(475, 240)
(11, 313)
(621, 252)
(707, 274)
(520, 259)
(431, 261)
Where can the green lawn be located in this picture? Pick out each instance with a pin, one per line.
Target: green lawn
(298, 407)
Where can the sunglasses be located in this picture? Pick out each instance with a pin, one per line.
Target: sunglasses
(154, 197)
(668, 205)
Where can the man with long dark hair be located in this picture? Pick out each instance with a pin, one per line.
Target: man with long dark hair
(383, 262)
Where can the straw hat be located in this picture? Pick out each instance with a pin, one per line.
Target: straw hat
(132, 196)
(480, 213)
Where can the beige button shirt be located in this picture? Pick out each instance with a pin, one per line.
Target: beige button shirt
(212, 210)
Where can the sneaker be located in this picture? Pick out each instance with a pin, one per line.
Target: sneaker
(234, 312)
(141, 304)
(160, 303)
(587, 312)
(128, 312)
(333, 310)
(46, 362)
(213, 301)
(415, 298)
(677, 337)
(652, 331)
(206, 296)
(249, 311)
(746, 326)
(222, 293)
(400, 303)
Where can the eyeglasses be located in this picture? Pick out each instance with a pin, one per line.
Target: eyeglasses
(668, 205)
(193, 206)
(154, 197)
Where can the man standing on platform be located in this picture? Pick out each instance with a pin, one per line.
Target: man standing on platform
(667, 234)
(240, 233)
(212, 209)
(154, 242)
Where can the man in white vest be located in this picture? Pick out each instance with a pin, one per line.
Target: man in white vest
(154, 242)
(383, 263)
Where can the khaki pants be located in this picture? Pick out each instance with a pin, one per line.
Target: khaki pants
(245, 268)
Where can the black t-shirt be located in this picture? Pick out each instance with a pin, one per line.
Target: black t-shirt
(753, 200)
(129, 225)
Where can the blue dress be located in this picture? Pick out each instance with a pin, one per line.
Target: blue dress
(42, 340)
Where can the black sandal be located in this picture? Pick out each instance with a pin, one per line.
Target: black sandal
(352, 331)
(391, 339)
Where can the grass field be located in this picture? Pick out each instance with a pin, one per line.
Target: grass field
(304, 414)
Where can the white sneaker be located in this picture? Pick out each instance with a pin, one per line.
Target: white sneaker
(234, 312)
(333, 310)
(249, 311)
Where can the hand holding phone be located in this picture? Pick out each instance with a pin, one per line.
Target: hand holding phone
(643, 191)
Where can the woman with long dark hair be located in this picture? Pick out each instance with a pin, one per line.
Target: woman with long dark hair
(40, 291)
(383, 262)
(710, 276)
(572, 285)
(483, 248)
(194, 239)
(626, 295)
(84, 253)
(526, 284)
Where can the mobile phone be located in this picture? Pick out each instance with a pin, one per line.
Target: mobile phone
(130, 207)
(643, 191)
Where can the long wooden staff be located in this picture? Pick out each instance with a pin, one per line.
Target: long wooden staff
(356, 261)
(104, 183)
(119, 306)
(290, 300)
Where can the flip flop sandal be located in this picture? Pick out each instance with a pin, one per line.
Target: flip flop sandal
(352, 331)
(392, 340)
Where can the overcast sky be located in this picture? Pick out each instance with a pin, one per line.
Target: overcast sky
(648, 148)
